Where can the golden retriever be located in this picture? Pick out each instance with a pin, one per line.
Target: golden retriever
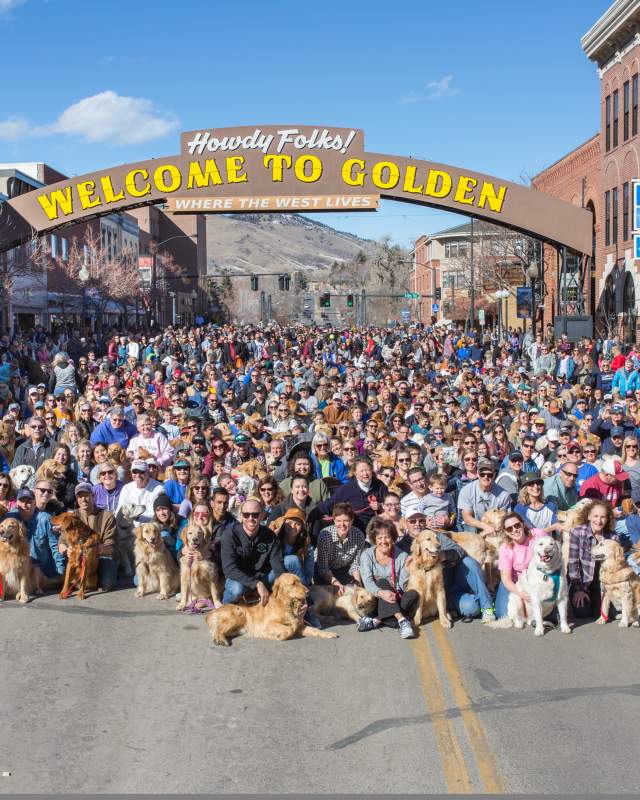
(355, 603)
(200, 578)
(51, 470)
(426, 577)
(82, 545)
(155, 568)
(281, 618)
(18, 576)
(619, 583)
(8, 438)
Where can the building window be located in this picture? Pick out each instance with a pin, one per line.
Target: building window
(607, 123)
(625, 211)
(54, 246)
(614, 215)
(64, 247)
(616, 111)
(607, 218)
(634, 105)
(455, 247)
(625, 106)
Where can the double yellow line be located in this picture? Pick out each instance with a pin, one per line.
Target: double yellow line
(456, 773)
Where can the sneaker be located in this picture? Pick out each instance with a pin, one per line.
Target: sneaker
(406, 629)
(311, 620)
(368, 624)
(488, 615)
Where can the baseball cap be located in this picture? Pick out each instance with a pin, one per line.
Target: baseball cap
(515, 456)
(25, 494)
(198, 440)
(539, 421)
(553, 435)
(139, 466)
(611, 467)
(181, 463)
(485, 464)
(617, 409)
(104, 399)
(84, 488)
(415, 513)
(39, 404)
(608, 397)
(241, 438)
(615, 431)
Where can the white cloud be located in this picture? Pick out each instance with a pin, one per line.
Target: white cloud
(7, 5)
(13, 128)
(105, 117)
(435, 90)
(441, 88)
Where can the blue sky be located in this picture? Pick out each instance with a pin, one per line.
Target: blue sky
(500, 87)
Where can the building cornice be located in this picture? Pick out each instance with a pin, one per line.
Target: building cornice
(604, 41)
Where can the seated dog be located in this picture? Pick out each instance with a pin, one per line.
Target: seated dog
(546, 584)
(22, 476)
(51, 470)
(155, 568)
(619, 583)
(18, 576)
(82, 545)
(427, 578)
(201, 583)
(281, 618)
(353, 604)
(125, 519)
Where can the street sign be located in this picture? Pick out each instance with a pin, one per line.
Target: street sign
(435, 308)
(405, 314)
(411, 296)
(481, 316)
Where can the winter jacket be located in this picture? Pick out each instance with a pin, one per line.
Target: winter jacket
(625, 381)
(351, 493)
(43, 543)
(250, 559)
(337, 468)
(25, 453)
(105, 433)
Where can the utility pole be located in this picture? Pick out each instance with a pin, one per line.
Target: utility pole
(472, 310)
(363, 312)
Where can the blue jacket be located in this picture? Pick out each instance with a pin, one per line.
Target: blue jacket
(337, 468)
(43, 544)
(625, 381)
(105, 433)
(176, 492)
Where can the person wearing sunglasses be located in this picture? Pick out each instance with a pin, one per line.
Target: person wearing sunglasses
(533, 507)
(514, 556)
(480, 496)
(43, 540)
(327, 464)
(251, 555)
(107, 491)
(36, 448)
(561, 487)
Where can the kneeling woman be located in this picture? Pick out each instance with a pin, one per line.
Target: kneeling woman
(513, 559)
(383, 569)
(292, 531)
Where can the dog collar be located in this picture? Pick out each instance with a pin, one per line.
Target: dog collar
(554, 577)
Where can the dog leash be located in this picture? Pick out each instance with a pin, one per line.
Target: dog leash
(196, 606)
(67, 594)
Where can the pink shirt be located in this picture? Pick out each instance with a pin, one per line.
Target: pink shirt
(517, 558)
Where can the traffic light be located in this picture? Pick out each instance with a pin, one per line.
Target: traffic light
(325, 300)
(438, 293)
(254, 283)
(349, 301)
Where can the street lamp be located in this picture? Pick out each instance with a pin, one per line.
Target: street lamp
(83, 277)
(194, 296)
(533, 273)
(501, 295)
(172, 295)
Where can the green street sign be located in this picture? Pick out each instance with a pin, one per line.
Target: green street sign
(411, 296)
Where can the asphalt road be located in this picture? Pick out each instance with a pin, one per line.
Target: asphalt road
(117, 694)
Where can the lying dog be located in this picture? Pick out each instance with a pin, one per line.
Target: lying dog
(200, 578)
(281, 618)
(18, 576)
(82, 545)
(545, 582)
(619, 583)
(426, 577)
(353, 604)
(156, 569)
(22, 476)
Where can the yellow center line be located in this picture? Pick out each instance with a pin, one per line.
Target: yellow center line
(485, 760)
(456, 775)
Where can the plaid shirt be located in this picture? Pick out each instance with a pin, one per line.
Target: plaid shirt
(335, 553)
(581, 566)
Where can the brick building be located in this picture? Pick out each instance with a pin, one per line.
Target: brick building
(598, 175)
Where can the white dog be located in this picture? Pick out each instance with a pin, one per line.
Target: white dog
(22, 476)
(545, 582)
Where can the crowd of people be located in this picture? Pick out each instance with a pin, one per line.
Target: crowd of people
(325, 452)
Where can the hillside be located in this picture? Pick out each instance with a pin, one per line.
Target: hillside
(273, 242)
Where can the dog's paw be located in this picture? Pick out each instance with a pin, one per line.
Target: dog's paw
(221, 642)
(538, 630)
(446, 623)
(22, 597)
(601, 621)
(565, 629)
(163, 596)
(635, 624)
(330, 635)
(180, 606)
(623, 624)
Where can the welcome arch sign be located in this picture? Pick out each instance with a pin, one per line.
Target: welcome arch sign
(290, 168)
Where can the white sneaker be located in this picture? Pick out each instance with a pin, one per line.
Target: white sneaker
(406, 629)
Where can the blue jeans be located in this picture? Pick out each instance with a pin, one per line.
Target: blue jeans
(502, 600)
(233, 590)
(107, 573)
(467, 591)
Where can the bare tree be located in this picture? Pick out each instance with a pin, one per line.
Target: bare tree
(24, 266)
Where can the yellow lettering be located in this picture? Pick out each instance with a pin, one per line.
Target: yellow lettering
(107, 190)
(85, 190)
(198, 178)
(409, 181)
(392, 179)
(488, 195)
(50, 203)
(278, 164)
(234, 166)
(465, 185)
(301, 171)
(438, 183)
(130, 182)
(347, 172)
(175, 178)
